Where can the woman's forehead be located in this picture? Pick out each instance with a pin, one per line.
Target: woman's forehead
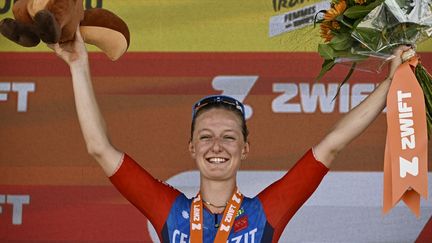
(218, 117)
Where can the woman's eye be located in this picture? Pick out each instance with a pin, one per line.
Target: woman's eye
(231, 138)
(204, 137)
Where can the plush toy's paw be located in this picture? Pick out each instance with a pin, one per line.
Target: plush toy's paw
(49, 30)
(22, 34)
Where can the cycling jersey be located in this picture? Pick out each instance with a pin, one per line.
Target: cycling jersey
(260, 219)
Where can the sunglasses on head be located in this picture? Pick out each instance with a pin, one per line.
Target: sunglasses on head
(215, 99)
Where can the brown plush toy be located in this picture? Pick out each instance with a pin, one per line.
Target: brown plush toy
(55, 21)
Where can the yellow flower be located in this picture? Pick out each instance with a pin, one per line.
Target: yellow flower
(326, 31)
(337, 9)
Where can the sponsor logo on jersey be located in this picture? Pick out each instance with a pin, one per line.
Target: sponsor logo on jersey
(241, 223)
(240, 212)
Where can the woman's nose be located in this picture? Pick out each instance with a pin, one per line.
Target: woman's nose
(216, 146)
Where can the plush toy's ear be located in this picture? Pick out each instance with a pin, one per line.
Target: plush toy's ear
(105, 30)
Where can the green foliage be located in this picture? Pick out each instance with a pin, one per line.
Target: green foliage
(360, 11)
(341, 41)
(370, 36)
(352, 37)
(326, 51)
(326, 66)
(425, 80)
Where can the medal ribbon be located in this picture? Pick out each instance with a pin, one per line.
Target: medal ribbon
(196, 220)
(405, 160)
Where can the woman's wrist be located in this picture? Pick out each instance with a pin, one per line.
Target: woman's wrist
(385, 84)
(78, 65)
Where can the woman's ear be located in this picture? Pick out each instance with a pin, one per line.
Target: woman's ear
(192, 149)
(245, 151)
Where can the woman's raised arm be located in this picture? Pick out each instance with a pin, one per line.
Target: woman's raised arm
(90, 118)
(358, 119)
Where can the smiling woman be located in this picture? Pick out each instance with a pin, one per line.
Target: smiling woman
(219, 212)
(218, 144)
(218, 147)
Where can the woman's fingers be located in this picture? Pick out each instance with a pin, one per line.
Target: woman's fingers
(397, 60)
(408, 54)
(78, 35)
(54, 47)
(71, 51)
(400, 50)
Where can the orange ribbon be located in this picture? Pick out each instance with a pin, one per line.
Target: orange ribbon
(405, 159)
(196, 221)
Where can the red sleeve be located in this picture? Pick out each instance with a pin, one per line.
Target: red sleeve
(151, 196)
(283, 198)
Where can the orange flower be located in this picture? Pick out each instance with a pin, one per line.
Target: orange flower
(360, 2)
(336, 10)
(335, 25)
(330, 24)
(326, 31)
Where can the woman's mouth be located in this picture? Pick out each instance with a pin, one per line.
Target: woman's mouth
(216, 160)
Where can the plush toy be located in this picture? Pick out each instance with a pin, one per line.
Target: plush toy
(56, 21)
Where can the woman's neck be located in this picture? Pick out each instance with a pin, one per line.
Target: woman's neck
(216, 194)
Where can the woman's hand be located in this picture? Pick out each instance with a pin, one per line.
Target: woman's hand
(397, 60)
(358, 119)
(74, 53)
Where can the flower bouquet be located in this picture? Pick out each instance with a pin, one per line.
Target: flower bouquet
(363, 34)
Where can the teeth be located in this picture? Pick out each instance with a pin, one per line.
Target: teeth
(217, 160)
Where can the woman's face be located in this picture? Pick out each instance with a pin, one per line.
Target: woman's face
(217, 144)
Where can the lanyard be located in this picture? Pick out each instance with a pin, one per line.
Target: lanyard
(196, 220)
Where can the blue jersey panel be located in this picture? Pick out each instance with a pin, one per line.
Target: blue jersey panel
(250, 225)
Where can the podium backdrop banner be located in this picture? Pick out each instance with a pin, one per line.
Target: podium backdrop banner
(51, 189)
